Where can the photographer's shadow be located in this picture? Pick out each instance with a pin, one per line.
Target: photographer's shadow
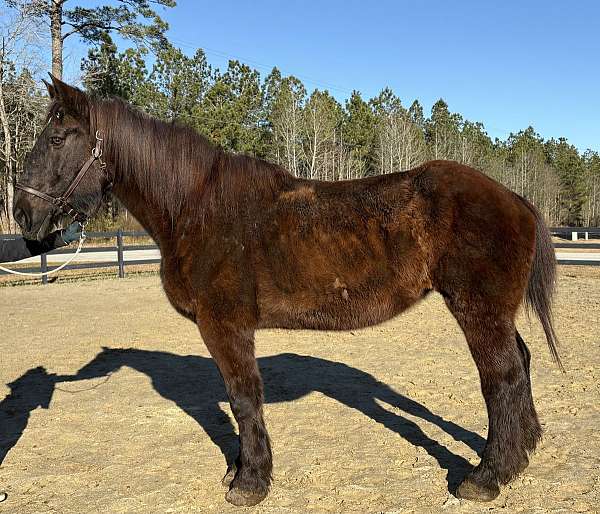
(31, 390)
(194, 384)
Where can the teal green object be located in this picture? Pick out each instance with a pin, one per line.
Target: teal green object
(72, 233)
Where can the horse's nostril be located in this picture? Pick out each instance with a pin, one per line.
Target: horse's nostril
(22, 219)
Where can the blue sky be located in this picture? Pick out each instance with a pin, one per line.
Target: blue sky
(506, 63)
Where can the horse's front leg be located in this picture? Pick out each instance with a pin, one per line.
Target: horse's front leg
(232, 348)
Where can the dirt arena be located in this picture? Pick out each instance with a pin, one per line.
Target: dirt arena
(110, 403)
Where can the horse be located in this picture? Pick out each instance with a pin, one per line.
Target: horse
(245, 246)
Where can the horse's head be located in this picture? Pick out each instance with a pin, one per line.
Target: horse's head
(63, 149)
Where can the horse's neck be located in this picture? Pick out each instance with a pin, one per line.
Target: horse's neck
(146, 209)
(152, 218)
(156, 167)
(237, 183)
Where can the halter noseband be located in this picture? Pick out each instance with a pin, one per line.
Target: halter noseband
(61, 202)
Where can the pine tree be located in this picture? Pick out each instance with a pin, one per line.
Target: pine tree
(178, 85)
(442, 132)
(131, 19)
(591, 210)
(109, 73)
(360, 131)
(565, 158)
(232, 109)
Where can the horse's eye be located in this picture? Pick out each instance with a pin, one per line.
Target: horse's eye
(56, 141)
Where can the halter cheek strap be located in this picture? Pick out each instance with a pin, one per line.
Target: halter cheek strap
(62, 202)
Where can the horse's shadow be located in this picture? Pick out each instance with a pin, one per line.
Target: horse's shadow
(194, 384)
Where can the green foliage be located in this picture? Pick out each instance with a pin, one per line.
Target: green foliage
(442, 132)
(110, 73)
(591, 210)
(136, 20)
(569, 165)
(386, 103)
(127, 18)
(177, 85)
(231, 113)
(359, 131)
(415, 112)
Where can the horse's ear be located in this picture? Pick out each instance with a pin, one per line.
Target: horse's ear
(73, 100)
(50, 88)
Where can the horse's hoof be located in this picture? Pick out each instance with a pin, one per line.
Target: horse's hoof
(241, 498)
(229, 476)
(471, 490)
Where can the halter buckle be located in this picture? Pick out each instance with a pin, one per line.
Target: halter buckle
(97, 150)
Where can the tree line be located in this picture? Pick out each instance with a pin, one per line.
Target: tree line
(311, 133)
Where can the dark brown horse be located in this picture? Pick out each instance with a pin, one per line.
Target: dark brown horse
(245, 246)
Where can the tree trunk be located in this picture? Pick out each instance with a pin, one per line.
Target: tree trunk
(8, 158)
(56, 7)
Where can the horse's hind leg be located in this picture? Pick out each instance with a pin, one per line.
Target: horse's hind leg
(502, 360)
(532, 431)
(233, 351)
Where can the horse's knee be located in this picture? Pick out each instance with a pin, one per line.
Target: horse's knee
(244, 407)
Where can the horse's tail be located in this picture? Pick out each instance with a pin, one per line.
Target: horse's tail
(542, 279)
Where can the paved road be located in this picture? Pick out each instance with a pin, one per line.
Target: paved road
(133, 255)
(578, 256)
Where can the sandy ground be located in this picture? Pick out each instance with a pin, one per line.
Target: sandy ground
(111, 404)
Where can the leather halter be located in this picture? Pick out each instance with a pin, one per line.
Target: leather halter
(62, 202)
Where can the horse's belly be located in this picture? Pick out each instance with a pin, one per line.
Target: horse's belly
(340, 308)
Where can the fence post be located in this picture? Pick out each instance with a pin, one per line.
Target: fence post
(574, 236)
(120, 253)
(44, 268)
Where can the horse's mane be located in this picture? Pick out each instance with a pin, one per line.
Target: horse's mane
(175, 166)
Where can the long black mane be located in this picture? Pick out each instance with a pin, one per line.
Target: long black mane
(172, 164)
